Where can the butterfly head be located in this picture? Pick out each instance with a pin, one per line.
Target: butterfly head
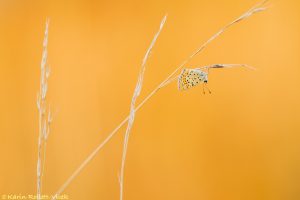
(203, 75)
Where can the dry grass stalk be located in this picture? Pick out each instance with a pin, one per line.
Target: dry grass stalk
(257, 8)
(136, 93)
(45, 117)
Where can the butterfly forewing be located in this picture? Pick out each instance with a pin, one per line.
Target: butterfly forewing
(189, 78)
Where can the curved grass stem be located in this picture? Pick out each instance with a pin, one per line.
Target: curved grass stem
(257, 8)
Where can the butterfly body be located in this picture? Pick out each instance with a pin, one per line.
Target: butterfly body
(191, 78)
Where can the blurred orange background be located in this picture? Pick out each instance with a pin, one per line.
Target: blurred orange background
(240, 142)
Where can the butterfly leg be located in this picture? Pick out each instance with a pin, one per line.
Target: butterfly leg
(205, 85)
(203, 88)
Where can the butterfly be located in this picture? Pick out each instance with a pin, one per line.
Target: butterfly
(191, 77)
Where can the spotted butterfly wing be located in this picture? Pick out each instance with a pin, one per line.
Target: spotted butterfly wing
(189, 78)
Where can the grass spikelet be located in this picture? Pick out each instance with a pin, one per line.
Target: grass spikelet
(45, 117)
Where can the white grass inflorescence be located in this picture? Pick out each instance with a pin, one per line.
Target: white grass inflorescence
(257, 8)
(136, 93)
(45, 117)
